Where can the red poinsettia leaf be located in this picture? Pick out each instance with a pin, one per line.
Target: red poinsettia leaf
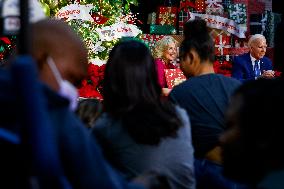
(5, 40)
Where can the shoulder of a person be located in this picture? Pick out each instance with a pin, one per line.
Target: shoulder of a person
(230, 79)
(158, 60)
(180, 110)
(104, 122)
(180, 87)
(266, 59)
(240, 57)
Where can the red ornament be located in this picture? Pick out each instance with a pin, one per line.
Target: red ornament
(6, 40)
(99, 19)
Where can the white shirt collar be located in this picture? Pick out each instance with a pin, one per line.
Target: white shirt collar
(252, 60)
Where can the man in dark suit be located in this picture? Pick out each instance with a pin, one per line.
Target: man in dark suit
(254, 64)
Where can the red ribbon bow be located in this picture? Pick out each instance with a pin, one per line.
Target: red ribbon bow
(186, 4)
(5, 40)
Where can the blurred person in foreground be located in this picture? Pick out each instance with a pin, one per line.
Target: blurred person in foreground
(61, 58)
(252, 145)
(140, 131)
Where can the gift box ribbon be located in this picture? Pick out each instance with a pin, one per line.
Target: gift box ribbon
(186, 4)
(237, 12)
(213, 3)
(222, 45)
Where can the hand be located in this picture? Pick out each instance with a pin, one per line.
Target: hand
(268, 74)
(166, 91)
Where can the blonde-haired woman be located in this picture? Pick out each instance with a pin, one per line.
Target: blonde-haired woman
(165, 52)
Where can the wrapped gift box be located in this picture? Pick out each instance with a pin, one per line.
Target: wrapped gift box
(174, 77)
(167, 16)
(162, 29)
(186, 6)
(214, 7)
(200, 6)
(183, 17)
(222, 44)
(238, 13)
(226, 3)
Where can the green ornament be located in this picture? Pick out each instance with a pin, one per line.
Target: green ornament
(52, 3)
(2, 49)
(46, 9)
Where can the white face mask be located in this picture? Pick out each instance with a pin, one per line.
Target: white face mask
(66, 89)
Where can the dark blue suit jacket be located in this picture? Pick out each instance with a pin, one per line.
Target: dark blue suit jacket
(243, 70)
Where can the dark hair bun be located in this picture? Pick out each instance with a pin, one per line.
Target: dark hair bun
(195, 29)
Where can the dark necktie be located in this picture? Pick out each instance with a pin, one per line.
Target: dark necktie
(256, 69)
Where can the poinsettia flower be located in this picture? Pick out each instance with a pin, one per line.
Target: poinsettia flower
(91, 85)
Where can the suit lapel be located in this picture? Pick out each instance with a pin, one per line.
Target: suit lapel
(250, 67)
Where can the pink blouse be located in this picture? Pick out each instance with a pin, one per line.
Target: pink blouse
(161, 66)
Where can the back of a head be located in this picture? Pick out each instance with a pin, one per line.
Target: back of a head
(130, 76)
(196, 36)
(257, 151)
(132, 94)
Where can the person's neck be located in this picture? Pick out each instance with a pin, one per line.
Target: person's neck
(205, 68)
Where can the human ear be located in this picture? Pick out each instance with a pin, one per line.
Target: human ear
(194, 57)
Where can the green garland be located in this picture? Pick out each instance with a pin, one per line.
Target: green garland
(108, 9)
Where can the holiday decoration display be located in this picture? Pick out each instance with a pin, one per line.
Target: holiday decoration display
(92, 85)
(183, 13)
(100, 23)
(186, 5)
(183, 17)
(162, 29)
(222, 23)
(200, 6)
(258, 23)
(150, 40)
(222, 44)
(214, 7)
(226, 3)
(152, 18)
(7, 45)
(238, 13)
(167, 16)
